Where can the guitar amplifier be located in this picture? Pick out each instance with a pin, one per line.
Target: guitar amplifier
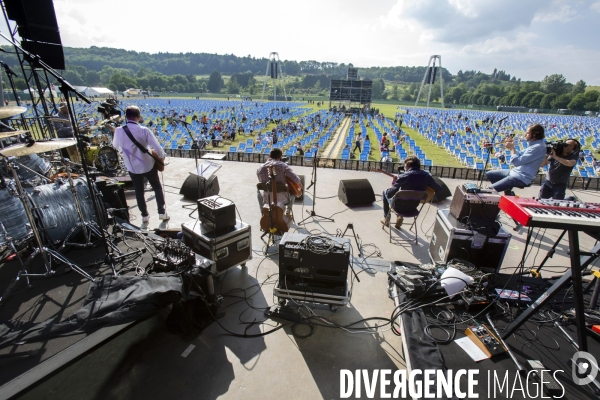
(227, 251)
(303, 270)
(482, 206)
(217, 213)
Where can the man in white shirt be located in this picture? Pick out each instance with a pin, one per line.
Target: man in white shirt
(139, 163)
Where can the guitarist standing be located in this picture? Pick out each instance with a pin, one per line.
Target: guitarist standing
(139, 163)
(282, 170)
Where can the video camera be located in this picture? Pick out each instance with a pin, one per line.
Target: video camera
(557, 146)
(108, 109)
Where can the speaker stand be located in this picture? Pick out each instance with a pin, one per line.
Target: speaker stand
(313, 183)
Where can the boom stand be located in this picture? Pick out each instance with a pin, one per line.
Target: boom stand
(313, 183)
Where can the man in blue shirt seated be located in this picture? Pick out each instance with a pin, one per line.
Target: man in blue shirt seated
(413, 178)
(527, 162)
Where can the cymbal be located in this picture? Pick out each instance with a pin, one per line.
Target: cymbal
(13, 133)
(11, 111)
(21, 149)
(61, 120)
(89, 128)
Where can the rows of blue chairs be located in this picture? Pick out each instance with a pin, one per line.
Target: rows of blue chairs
(466, 139)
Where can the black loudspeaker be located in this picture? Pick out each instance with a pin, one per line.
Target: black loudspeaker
(356, 191)
(194, 185)
(113, 195)
(441, 195)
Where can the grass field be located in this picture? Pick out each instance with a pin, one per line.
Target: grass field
(438, 155)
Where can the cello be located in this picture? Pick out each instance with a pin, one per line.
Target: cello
(272, 220)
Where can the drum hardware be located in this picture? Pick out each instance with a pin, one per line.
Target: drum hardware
(87, 228)
(48, 255)
(22, 272)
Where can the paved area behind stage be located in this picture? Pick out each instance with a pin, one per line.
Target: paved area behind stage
(149, 362)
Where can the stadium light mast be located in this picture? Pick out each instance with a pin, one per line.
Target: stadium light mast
(429, 79)
(275, 71)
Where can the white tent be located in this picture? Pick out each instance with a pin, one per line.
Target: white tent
(97, 92)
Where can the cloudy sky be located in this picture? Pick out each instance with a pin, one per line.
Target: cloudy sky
(527, 38)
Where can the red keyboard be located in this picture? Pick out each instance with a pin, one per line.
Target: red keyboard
(554, 214)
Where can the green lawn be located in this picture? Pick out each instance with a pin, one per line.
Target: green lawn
(438, 155)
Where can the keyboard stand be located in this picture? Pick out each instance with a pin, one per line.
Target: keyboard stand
(579, 261)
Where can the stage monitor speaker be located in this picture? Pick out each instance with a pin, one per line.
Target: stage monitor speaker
(356, 191)
(443, 193)
(194, 185)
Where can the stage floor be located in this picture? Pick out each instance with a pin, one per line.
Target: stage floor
(145, 360)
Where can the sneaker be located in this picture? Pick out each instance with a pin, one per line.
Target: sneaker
(145, 219)
(385, 222)
(164, 217)
(399, 222)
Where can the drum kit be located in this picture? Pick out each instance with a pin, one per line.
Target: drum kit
(44, 211)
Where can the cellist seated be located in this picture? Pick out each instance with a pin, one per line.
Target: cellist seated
(283, 173)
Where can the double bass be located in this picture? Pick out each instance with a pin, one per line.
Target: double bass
(273, 217)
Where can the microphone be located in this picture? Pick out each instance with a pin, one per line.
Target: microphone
(183, 121)
(451, 303)
(502, 119)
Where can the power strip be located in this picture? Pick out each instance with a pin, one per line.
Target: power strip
(283, 313)
(483, 337)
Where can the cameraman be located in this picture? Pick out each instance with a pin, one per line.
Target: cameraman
(559, 170)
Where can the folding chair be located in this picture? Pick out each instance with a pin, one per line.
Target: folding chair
(408, 202)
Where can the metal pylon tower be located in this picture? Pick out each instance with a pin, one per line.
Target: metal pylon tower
(275, 71)
(429, 79)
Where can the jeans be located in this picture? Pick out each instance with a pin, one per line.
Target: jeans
(502, 181)
(552, 190)
(138, 186)
(386, 203)
(357, 146)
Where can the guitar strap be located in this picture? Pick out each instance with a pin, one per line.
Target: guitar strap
(142, 148)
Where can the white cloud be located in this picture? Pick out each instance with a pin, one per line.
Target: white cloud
(560, 13)
(595, 6)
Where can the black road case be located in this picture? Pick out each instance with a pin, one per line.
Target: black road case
(227, 250)
(451, 239)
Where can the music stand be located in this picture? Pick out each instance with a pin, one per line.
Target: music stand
(204, 171)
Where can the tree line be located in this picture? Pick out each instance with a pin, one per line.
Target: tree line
(120, 69)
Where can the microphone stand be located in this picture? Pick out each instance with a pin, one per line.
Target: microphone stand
(313, 184)
(10, 74)
(490, 149)
(185, 124)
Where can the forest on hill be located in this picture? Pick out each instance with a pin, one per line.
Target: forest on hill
(120, 69)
